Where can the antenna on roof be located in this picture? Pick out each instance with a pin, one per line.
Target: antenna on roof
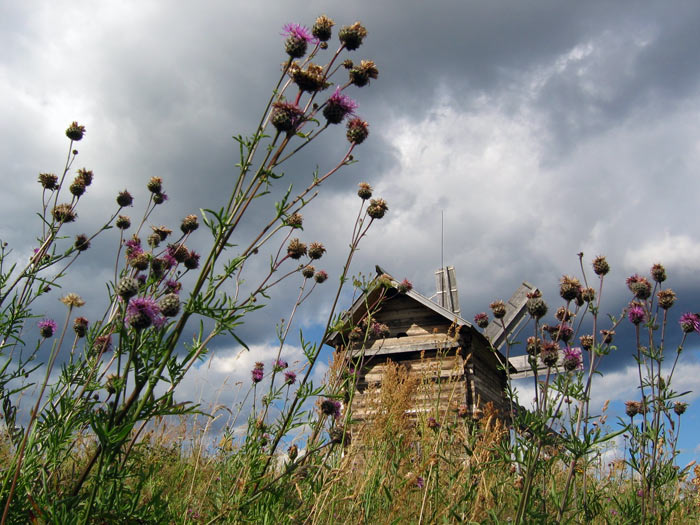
(445, 277)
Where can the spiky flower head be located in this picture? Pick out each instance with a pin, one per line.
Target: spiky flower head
(316, 250)
(563, 314)
(85, 176)
(666, 298)
(189, 224)
(290, 377)
(320, 276)
(586, 341)
(80, 325)
(600, 265)
(404, 286)
(550, 353)
(462, 411)
(123, 222)
(658, 273)
(102, 343)
(562, 332)
(379, 330)
(533, 346)
(160, 198)
(192, 260)
(360, 75)
(635, 313)
(481, 320)
(258, 372)
(573, 359)
(295, 220)
(330, 407)
(140, 261)
(48, 181)
(77, 188)
(308, 271)
(143, 312)
(322, 28)
(357, 130)
(607, 336)
(639, 286)
(298, 38)
(311, 79)
(364, 191)
(498, 308)
(352, 36)
(82, 242)
(286, 116)
(690, 322)
(133, 247)
(179, 252)
(338, 106)
(124, 199)
(296, 249)
(679, 407)
(64, 213)
(169, 305)
(153, 240)
(569, 287)
(72, 300)
(47, 328)
(161, 231)
(632, 408)
(155, 185)
(75, 132)
(433, 423)
(127, 288)
(377, 208)
(588, 294)
(536, 307)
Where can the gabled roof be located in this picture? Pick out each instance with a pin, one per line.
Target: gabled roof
(358, 310)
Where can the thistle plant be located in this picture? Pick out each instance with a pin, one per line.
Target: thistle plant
(561, 418)
(75, 453)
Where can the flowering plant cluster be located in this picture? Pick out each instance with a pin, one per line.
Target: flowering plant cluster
(561, 417)
(124, 367)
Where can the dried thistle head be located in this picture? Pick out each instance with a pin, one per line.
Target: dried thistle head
(295, 220)
(600, 265)
(296, 249)
(161, 231)
(569, 288)
(357, 130)
(377, 208)
(155, 185)
(658, 273)
(85, 176)
(322, 28)
(48, 181)
(75, 132)
(352, 36)
(123, 222)
(82, 242)
(498, 308)
(316, 250)
(364, 191)
(72, 300)
(666, 298)
(189, 224)
(124, 199)
(64, 213)
(361, 75)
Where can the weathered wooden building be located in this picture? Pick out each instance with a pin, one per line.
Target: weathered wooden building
(454, 361)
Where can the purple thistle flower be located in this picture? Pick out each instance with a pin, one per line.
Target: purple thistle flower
(635, 313)
(133, 248)
(481, 320)
(572, 359)
(47, 327)
(405, 286)
(169, 261)
(173, 286)
(143, 312)
(298, 37)
(690, 322)
(279, 365)
(258, 372)
(331, 407)
(298, 31)
(290, 377)
(420, 482)
(338, 106)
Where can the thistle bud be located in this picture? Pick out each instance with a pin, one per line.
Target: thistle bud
(365, 191)
(481, 320)
(189, 224)
(82, 242)
(658, 272)
(85, 175)
(155, 185)
(80, 325)
(569, 288)
(377, 208)
(320, 276)
(316, 250)
(357, 130)
(666, 298)
(295, 220)
(77, 188)
(123, 222)
(64, 213)
(308, 271)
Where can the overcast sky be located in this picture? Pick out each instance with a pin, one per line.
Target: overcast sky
(539, 130)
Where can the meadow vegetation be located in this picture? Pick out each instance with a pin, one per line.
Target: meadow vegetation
(93, 429)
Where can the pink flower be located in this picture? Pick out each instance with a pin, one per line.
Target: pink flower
(572, 359)
(47, 327)
(481, 320)
(290, 377)
(258, 372)
(338, 106)
(635, 313)
(690, 322)
(143, 312)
